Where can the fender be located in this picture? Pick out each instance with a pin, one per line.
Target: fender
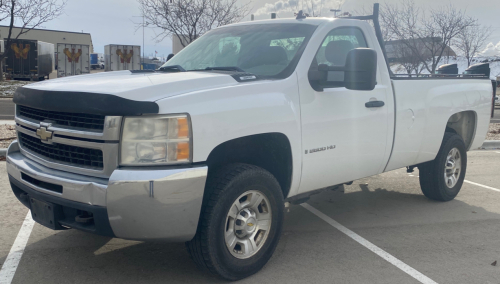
(228, 113)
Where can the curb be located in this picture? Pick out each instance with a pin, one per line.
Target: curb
(490, 145)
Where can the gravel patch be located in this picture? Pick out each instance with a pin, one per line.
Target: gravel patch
(7, 135)
(494, 132)
(7, 88)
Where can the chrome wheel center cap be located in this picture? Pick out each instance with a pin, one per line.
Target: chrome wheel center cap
(251, 224)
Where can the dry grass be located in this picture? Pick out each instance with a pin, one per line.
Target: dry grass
(7, 88)
(494, 132)
(7, 135)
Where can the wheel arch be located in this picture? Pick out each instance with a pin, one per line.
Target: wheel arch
(464, 124)
(270, 151)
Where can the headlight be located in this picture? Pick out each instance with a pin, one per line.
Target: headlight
(155, 140)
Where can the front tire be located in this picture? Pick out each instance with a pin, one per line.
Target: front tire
(240, 222)
(442, 178)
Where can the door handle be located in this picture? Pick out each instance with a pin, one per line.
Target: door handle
(371, 104)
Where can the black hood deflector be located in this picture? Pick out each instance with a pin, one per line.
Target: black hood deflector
(81, 102)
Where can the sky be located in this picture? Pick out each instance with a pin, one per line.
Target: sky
(115, 21)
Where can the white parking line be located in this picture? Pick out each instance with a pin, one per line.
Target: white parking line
(481, 185)
(378, 251)
(9, 267)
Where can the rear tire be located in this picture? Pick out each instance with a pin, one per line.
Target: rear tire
(240, 222)
(442, 178)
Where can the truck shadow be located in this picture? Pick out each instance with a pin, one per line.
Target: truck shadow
(74, 256)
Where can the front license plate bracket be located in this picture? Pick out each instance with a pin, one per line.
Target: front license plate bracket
(46, 213)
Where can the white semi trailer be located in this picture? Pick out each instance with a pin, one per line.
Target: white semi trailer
(122, 57)
(72, 59)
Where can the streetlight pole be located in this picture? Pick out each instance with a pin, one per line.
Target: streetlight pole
(143, 36)
(142, 40)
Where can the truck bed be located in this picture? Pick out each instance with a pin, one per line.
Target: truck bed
(424, 107)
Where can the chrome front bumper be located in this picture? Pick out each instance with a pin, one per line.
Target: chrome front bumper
(141, 203)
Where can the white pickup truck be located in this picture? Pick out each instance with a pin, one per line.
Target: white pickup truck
(209, 148)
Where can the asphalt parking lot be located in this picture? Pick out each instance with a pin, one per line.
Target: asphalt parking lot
(453, 242)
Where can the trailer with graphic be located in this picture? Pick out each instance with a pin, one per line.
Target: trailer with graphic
(122, 57)
(72, 59)
(28, 59)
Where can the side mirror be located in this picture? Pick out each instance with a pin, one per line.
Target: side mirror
(361, 69)
(358, 73)
(170, 56)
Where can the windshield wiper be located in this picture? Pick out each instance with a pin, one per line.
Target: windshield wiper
(175, 68)
(226, 68)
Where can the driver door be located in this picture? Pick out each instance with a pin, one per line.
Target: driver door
(343, 138)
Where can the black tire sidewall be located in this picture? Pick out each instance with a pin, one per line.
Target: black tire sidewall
(233, 267)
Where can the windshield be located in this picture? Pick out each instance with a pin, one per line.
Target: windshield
(270, 50)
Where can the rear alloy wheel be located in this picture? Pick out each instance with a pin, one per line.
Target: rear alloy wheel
(452, 168)
(442, 178)
(240, 221)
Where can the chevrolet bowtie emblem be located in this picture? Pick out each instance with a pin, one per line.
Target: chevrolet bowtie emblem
(43, 133)
(250, 224)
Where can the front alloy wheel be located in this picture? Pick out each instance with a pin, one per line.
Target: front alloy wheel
(240, 221)
(247, 224)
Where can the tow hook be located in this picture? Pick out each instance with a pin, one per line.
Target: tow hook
(410, 169)
(84, 218)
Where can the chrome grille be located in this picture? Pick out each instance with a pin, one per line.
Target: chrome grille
(79, 120)
(69, 154)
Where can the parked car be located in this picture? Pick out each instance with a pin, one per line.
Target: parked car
(208, 148)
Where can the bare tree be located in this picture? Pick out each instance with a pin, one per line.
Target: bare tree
(189, 19)
(471, 40)
(428, 34)
(312, 8)
(407, 58)
(26, 15)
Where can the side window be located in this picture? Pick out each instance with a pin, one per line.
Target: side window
(337, 44)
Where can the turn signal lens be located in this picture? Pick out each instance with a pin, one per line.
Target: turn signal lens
(182, 151)
(182, 128)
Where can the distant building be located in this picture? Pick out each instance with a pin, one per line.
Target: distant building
(50, 36)
(176, 43)
(397, 49)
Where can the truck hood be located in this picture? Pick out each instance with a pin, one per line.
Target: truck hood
(137, 86)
